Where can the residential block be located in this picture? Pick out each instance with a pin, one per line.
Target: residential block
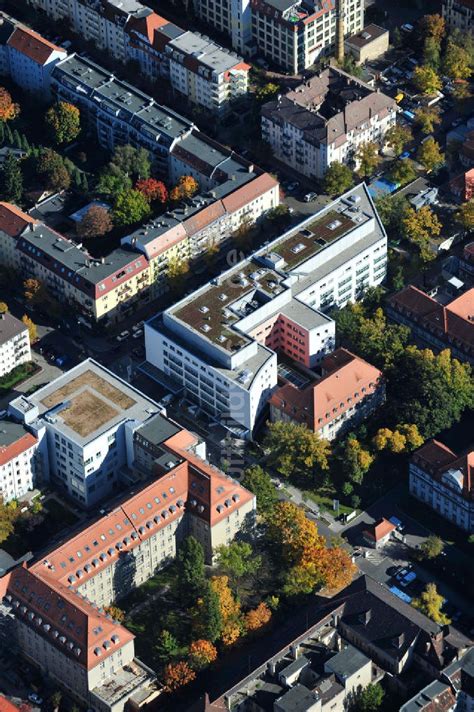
(325, 119)
(14, 343)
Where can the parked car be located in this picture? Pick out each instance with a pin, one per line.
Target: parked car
(309, 197)
(122, 336)
(138, 334)
(35, 699)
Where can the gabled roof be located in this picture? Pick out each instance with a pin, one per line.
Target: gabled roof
(380, 529)
(436, 459)
(13, 220)
(66, 619)
(32, 45)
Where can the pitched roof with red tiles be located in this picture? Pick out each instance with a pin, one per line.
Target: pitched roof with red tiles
(348, 380)
(65, 618)
(454, 321)
(13, 220)
(380, 529)
(146, 25)
(11, 451)
(7, 706)
(32, 45)
(436, 459)
(250, 191)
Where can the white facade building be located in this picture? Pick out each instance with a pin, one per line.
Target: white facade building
(324, 120)
(18, 465)
(221, 343)
(84, 421)
(445, 482)
(14, 343)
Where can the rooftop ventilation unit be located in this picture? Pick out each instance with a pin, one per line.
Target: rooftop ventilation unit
(334, 224)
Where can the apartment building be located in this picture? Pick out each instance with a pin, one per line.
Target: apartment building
(347, 392)
(445, 482)
(325, 119)
(206, 73)
(18, 466)
(221, 342)
(369, 44)
(27, 57)
(14, 343)
(360, 634)
(116, 112)
(84, 422)
(439, 326)
(459, 14)
(77, 645)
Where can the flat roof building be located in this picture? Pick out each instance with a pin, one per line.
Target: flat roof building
(14, 343)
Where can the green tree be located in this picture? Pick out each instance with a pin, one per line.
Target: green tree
(397, 137)
(11, 179)
(294, 450)
(191, 569)
(113, 181)
(432, 53)
(208, 615)
(430, 155)
(63, 120)
(278, 214)
(367, 157)
(133, 162)
(427, 118)
(426, 80)
(8, 516)
(354, 460)
(166, 649)
(237, 560)
(338, 179)
(419, 227)
(431, 547)
(370, 698)
(434, 392)
(349, 65)
(259, 482)
(266, 92)
(25, 146)
(457, 62)
(130, 207)
(392, 209)
(397, 37)
(16, 138)
(430, 603)
(403, 171)
(433, 26)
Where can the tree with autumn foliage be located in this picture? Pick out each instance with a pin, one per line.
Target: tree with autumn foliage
(430, 155)
(426, 80)
(95, 223)
(63, 121)
(465, 215)
(308, 562)
(176, 274)
(397, 138)
(31, 326)
(427, 118)
(186, 187)
(130, 207)
(178, 675)
(405, 438)
(231, 614)
(258, 617)
(430, 603)
(419, 227)
(51, 166)
(3, 307)
(457, 61)
(35, 291)
(367, 158)
(115, 612)
(295, 451)
(354, 460)
(153, 190)
(201, 654)
(8, 109)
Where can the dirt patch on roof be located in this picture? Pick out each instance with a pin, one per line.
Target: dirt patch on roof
(89, 378)
(87, 413)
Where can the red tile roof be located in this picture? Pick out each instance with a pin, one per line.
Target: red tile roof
(380, 529)
(32, 45)
(454, 321)
(65, 618)
(7, 706)
(147, 25)
(9, 452)
(327, 398)
(249, 192)
(436, 459)
(13, 220)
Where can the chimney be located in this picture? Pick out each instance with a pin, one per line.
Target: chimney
(340, 31)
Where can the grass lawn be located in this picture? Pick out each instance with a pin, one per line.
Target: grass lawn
(325, 502)
(19, 374)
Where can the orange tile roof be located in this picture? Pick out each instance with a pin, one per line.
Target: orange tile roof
(463, 305)
(204, 217)
(248, 192)
(9, 452)
(147, 25)
(70, 622)
(32, 45)
(13, 220)
(7, 706)
(326, 399)
(380, 529)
